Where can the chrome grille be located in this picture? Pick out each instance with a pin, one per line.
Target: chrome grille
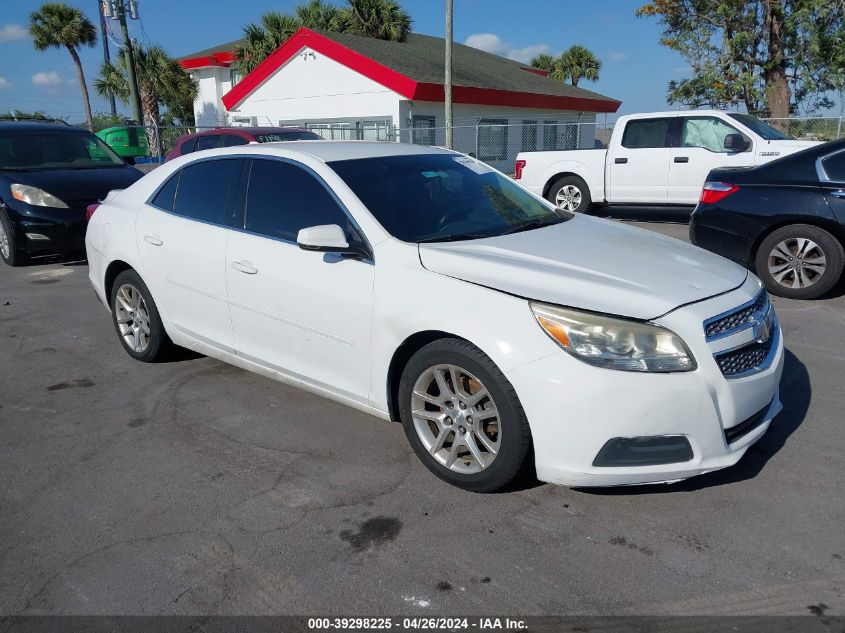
(739, 319)
(745, 359)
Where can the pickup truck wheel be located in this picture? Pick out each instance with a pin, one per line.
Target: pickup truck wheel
(570, 193)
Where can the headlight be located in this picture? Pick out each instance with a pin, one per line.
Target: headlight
(36, 197)
(614, 343)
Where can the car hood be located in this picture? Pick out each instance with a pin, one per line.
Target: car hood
(76, 187)
(788, 146)
(591, 264)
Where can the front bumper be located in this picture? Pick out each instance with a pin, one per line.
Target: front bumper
(574, 409)
(46, 230)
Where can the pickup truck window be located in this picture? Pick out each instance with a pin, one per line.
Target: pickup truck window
(646, 133)
(764, 130)
(706, 132)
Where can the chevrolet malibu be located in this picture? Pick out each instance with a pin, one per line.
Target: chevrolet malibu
(422, 286)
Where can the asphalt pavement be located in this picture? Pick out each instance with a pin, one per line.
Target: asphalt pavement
(193, 487)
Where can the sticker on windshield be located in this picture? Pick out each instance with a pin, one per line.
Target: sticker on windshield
(476, 166)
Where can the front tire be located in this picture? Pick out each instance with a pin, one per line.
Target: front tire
(136, 319)
(570, 193)
(462, 416)
(799, 261)
(8, 249)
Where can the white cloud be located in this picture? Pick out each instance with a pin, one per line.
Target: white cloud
(5, 84)
(13, 33)
(617, 57)
(47, 79)
(492, 43)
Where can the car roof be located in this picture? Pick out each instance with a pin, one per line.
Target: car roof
(328, 151)
(252, 131)
(28, 126)
(676, 113)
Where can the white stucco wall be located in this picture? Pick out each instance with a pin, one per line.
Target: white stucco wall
(212, 84)
(310, 86)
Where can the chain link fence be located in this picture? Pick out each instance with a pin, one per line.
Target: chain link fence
(495, 143)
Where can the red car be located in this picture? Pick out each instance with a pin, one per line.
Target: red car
(229, 137)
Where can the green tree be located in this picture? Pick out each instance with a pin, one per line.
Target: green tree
(766, 54)
(161, 83)
(381, 19)
(56, 25)
(574, 64)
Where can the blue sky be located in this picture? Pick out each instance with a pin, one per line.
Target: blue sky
(636, 68)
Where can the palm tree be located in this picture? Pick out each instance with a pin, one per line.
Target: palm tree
(161, 82)
(381, 19)
(544, 61)
(578, 62)
(55, 25)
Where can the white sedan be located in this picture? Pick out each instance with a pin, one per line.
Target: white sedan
(420, 285)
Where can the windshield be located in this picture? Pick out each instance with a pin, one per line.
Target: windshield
(40, 151)
(287, 136)
(764, 130)
(442, 197)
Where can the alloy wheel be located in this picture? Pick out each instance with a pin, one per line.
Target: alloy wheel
(5, 246)
(797, 262)
(568, 198)
(456, 419)
(133, 318)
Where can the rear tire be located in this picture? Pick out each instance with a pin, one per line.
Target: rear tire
(799, 261)
(136, 319)
(8, 249)
(571, 193)
(474, 436)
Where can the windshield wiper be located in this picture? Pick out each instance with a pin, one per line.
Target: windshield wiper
(456, 237)
(534, 224)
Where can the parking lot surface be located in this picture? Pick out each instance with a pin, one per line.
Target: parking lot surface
(193, 487)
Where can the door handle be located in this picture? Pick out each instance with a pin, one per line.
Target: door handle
(245, 267)
(681, 159)
(154, 240)
(620, 161)
(839, 193)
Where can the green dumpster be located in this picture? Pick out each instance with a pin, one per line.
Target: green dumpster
(125, 140)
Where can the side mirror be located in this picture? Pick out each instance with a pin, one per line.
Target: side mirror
(328, 238)
(736, 143)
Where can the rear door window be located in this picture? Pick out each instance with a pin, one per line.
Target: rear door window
(188, 146)
(205, 189)
(834, 167)
(167, 194)
(231, 140)
(646, 133)
(209, 141)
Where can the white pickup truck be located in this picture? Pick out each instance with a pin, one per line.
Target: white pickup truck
(660, 158)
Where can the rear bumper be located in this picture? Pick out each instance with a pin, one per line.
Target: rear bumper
(574, 409)
(727, 237)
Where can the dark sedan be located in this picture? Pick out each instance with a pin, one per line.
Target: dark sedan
(49, 174)
(785, 219)
(228, 137)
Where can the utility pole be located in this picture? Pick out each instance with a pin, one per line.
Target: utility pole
(106, 57)
(448, 83)
(117, 9)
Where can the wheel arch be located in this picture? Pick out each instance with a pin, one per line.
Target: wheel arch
(818, 222)
(400, 358)
(552, 180)
(112, 271)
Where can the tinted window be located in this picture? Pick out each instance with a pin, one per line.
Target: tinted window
(209, 141)
(204, 188)
(164, 198)
(283, 198)
(645, 133)
(834, 167)
(298, 135)
(442, 197)
(765, 130)
(48, 149)
(705, 132)
(188, 146)
(233, 139)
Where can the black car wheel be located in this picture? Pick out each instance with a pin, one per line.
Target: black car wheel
(799, 261)
(462, 416)
(8, 249)
(571, 194)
